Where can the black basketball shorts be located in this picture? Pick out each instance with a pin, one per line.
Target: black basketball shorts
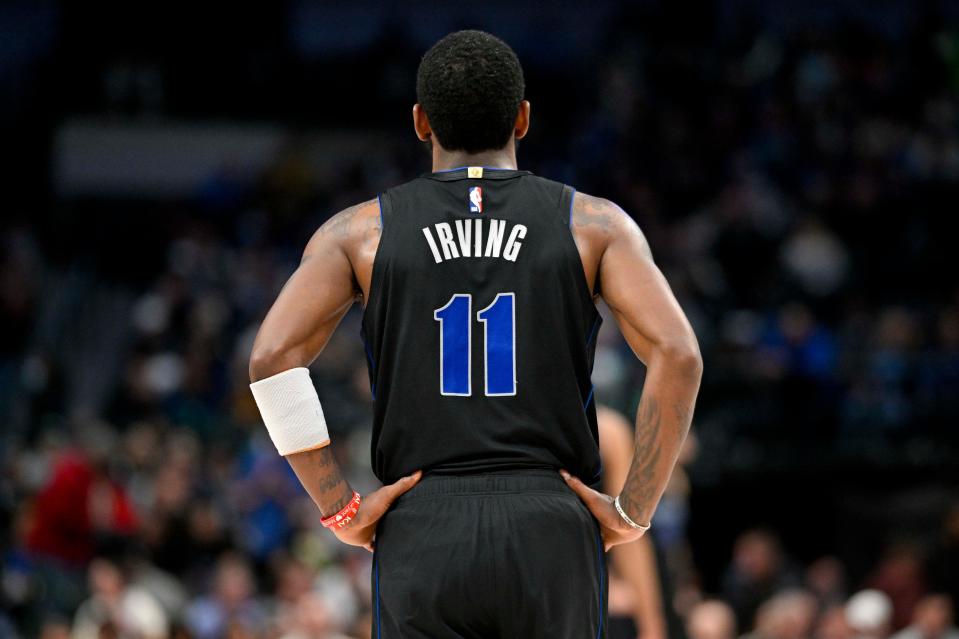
(509, 555)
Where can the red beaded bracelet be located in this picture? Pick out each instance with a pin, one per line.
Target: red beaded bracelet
(345, 516)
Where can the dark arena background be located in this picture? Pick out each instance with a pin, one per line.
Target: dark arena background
(794, 165)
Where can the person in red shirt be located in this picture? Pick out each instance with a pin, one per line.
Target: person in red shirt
(78, 506)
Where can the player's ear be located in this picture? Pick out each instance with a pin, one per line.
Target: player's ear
(522, 120)
(421, 123)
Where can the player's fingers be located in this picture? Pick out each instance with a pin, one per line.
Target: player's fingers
(587, 494)
(394, 490)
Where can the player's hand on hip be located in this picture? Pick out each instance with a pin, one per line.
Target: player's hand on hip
(362, 529)
(614, 530)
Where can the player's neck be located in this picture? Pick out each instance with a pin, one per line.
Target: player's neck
(504, 158)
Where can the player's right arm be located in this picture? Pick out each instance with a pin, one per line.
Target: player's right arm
(295, 331)
(659, 334)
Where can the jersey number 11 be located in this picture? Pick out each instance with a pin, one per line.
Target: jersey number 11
(456, 334)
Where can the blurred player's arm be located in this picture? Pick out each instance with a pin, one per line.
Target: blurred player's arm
(661, 337)
(635, 562)
(294, 333)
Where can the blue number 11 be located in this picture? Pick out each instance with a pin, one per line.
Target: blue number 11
(499, 331)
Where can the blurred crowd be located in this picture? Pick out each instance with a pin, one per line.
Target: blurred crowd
(767, 594)
(798, 189)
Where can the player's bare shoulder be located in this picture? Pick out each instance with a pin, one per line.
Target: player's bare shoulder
(353, 225)
(598, 219)
(596, 224)
(354, 233)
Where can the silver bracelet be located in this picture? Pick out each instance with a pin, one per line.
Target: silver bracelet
(633, 524)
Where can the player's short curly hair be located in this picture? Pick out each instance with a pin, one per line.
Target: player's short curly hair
(470, 84)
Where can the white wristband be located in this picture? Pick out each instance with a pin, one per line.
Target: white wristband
(291, 411)
(633, 524)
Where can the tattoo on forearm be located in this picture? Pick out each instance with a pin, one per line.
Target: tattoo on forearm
(321, 477)
(658, 438)
(640, 488)
(330, 482)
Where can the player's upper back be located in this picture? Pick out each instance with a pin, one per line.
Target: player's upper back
(480, 327)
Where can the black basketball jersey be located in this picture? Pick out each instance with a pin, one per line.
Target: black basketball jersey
(480, 329)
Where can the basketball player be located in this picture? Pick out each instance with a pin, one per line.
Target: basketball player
(478, 283)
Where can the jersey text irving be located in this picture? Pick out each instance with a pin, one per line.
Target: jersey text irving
(480, 237)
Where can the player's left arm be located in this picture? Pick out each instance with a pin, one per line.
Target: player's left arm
(294, 332)
(657, 330)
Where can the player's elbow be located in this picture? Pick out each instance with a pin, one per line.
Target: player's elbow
(266, 361)
(684, 358)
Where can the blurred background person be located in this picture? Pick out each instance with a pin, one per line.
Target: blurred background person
(933, 618)
(711, 619)
(230, 606)
(636, 588)
(791, 614)
(117, 607)
(759, 569)
(869, 615)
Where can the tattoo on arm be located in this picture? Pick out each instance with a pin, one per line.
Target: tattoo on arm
(587, 211)
(320, 475)
(640, 488)
(650, 469)
(618, 249)
(598, 226)
(604, 216)
(358, 222)
(339, 225)
(356, 232)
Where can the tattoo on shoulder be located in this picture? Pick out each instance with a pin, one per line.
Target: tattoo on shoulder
(357, 218)
(606, 216)
(591, 211)
(339, 225)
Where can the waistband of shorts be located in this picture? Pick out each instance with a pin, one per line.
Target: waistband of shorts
(513, 481)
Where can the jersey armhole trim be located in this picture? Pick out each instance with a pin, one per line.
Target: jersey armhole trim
(383, 202)
(567, 192)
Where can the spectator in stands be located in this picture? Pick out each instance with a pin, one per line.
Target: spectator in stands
(231, 604)
(758, 570)
(900, 575)
(711, 619)
(81, 504)
(869, 615)
(943, 565)
(826, 579)
(312, 619)
(932, 619)
(832, 624)
(790, 614)
(117, 607)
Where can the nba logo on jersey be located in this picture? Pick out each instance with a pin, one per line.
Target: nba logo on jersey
(476, 199)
